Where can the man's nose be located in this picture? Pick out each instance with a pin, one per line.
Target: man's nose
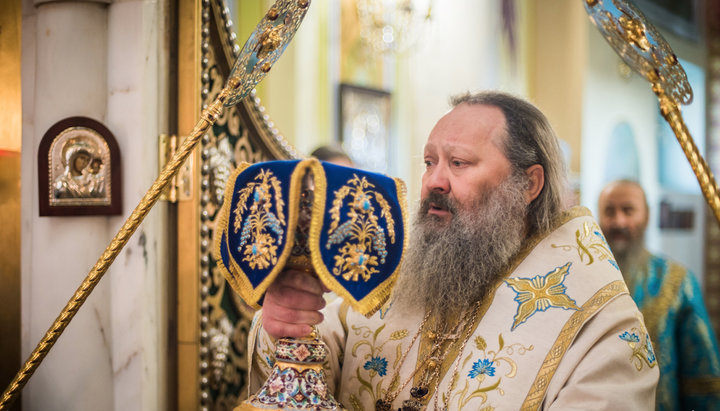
(619, 220)
(437, 180)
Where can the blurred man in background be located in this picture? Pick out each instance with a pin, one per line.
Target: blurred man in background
(670, 299)
(332, 154)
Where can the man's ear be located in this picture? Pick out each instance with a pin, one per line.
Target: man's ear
(536, 178)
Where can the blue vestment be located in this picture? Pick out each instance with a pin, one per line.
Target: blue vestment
(685, 345)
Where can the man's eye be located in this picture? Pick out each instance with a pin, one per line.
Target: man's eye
(428, 163)
(458, 163)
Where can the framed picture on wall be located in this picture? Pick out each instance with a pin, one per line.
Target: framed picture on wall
(79, 169)
(365, 125)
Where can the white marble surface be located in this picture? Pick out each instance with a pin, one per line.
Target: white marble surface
(69, 77)
(135, 110)
(100, 61)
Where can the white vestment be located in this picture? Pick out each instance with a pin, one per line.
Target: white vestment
(559, 332)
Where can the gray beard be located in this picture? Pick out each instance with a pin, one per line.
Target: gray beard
(449, 267)
(632, 258)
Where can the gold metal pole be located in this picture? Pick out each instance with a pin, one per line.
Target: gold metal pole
(642, 47)
(207, 118)
(671, 112)
(260, 52)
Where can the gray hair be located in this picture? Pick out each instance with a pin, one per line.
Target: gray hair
(529, 140)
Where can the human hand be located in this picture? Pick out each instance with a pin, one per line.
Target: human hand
(292, 304)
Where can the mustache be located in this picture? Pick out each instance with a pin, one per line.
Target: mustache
(618, 232)
(438, 272)
(442, 201)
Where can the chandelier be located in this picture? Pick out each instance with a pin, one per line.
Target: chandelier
(392, 26)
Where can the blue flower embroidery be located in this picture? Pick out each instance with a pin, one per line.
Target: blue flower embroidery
(270, 361)
(377, 364)
(626, 336)
(482, 366)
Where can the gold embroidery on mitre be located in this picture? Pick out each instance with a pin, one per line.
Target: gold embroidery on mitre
(369, 304)
(232, 271)
(540, 293)
(364, 237)
(260, 246)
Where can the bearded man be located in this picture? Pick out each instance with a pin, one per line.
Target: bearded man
(505, 300)
(670, 299)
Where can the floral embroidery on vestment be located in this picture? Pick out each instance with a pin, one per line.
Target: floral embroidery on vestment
(370, 348)
(590, 244)
(377, 364)
(488, 370)
(482, 366)
(638, 339)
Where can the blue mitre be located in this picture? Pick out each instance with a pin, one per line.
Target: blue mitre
(349, 228)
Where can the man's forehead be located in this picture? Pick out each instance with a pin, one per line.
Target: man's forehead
(483, 115)
(623, 202)
(450, 145)
(468, 124)
(623, 194)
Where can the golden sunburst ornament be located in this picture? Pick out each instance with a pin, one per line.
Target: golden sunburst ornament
(540, 293)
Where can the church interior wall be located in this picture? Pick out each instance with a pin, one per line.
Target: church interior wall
(458, 52)
(109, 60)
(58, 251)
(612, 96)
(462, 54)
(102, 61)
(558, 62)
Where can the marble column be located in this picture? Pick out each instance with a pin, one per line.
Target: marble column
(103, 60)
